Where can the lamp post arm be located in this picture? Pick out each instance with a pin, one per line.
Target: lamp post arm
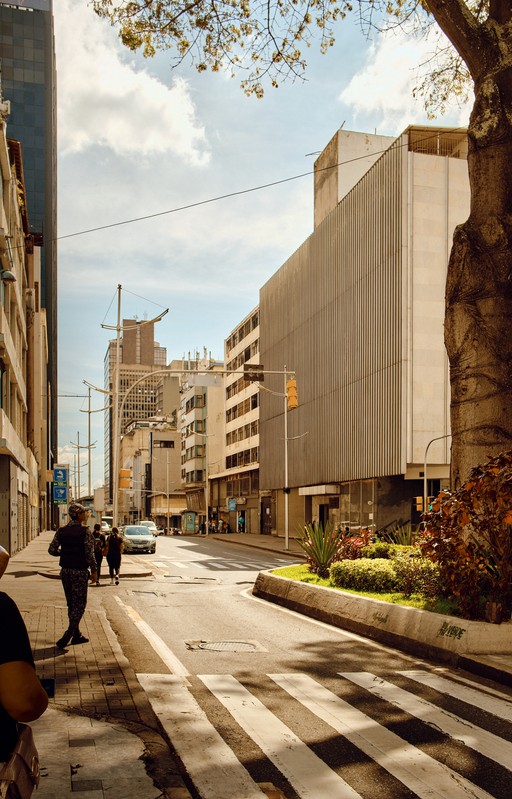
(425, 482)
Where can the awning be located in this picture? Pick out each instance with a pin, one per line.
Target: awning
(307, 491)
(159, 506)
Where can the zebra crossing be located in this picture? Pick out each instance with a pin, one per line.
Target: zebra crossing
(420, 770)
(219, 564)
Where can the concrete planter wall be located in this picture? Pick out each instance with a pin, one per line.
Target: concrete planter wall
(417, 631)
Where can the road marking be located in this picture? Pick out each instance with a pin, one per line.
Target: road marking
(487, 744)
(169, 658)
(423, 775)
(308, 774)
(502, 708)
(213, 767)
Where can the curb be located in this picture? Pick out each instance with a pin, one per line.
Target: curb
(362, 616)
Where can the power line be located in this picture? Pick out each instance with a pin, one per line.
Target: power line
(241, 192)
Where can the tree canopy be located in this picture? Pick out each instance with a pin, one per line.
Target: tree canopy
(265, 41)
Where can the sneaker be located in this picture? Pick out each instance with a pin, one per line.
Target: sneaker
(63, 642)
(111, 582)
(97, 582)
(79, 639)
(117, 580)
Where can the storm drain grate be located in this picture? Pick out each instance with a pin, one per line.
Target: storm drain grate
(226, 646)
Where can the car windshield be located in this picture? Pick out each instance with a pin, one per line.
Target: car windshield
(137, 530)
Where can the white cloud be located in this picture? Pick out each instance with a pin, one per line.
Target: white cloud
(382, 90)
(105, 101)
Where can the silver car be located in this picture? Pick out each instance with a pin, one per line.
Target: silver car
(137, 538)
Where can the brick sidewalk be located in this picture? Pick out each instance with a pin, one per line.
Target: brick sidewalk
(88, 677)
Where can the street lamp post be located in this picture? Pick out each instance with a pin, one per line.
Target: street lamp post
(425, 482)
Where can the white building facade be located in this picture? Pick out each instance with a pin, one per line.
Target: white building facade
(357, 312)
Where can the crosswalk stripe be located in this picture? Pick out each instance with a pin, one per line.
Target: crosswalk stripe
(308, 774)
(411, 766)
(500, 708)
(480, 740)
(214, 768)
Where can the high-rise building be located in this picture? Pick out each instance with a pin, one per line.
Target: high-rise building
(140, 355)
(27, 62)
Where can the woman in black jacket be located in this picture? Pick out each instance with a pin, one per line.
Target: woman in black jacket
(74, 543)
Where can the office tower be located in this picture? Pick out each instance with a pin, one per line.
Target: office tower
(27, 55)
(140, 355)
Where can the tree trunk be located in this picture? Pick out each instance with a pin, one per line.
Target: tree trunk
(478, 320)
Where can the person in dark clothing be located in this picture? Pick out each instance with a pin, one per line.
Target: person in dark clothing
(74, 543)
(115, 548)
(22, 697)
(100, 543)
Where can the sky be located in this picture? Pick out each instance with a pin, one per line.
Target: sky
(139, 139)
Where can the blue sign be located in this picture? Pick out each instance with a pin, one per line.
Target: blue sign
(231, 504)
(60, 494)
(60, 475)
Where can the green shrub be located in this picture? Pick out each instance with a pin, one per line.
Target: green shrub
(380, 549)
(383, 549)
(364, 575)
(417, 575)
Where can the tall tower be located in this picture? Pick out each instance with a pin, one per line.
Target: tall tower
(140, 355)
(27, 62)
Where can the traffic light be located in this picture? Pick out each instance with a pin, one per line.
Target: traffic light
(125, 478)
(291, 393)
(418, 504)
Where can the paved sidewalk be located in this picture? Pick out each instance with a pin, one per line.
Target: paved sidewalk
(99, 736)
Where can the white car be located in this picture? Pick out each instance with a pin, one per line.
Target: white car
(150, 525)
(139, 538)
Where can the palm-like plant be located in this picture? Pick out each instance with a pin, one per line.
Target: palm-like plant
(322, 545)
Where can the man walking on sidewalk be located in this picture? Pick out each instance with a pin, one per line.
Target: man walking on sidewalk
(74, 543)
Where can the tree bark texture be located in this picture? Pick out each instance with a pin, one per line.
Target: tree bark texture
(478, 318)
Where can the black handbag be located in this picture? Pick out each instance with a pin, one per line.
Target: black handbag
(20, 774)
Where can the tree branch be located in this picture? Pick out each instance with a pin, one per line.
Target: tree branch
(462, 28)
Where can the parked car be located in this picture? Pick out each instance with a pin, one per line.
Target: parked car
(139, 538)
(105, 527)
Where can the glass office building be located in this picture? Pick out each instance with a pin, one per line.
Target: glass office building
(28, 81)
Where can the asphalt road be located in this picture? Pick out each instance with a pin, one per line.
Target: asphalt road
(252, 694)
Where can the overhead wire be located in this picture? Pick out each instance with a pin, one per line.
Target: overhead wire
(250, 190)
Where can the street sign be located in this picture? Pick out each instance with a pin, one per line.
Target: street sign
(60, 475)
(60, 494)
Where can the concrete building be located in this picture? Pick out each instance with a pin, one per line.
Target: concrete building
(201, 425)
(25, 397)
(234, 487)
(357, 313)
(150, 451)
(27, 55)
(140, 355)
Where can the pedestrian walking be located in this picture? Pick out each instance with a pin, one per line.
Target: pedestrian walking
(22, 697)
(100, 544)
(115, 548)
(74, 543)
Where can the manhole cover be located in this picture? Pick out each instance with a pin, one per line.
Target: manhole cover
(226, 646)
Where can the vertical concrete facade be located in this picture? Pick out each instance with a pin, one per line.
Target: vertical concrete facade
(357, 312)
